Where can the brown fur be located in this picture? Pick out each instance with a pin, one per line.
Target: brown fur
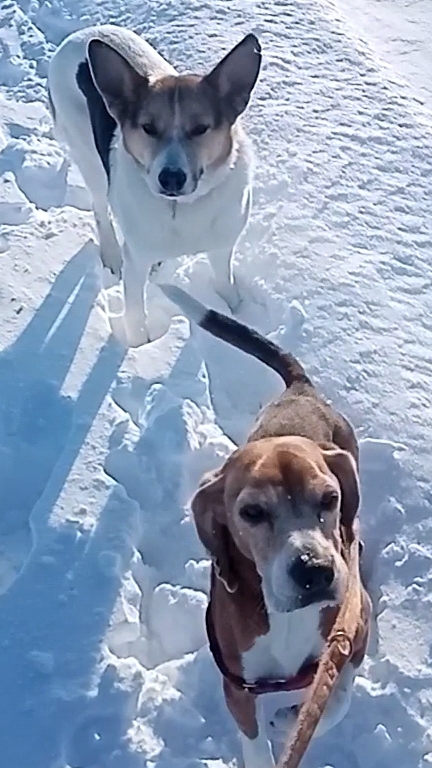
(173, 107)
(299, 448)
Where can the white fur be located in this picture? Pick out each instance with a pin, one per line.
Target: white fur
(292, 639)
(154, 228)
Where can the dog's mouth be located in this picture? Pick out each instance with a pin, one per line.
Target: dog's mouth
(280, 603)
(172, 195)
(307, 598)
(325, 598)
(182, 196)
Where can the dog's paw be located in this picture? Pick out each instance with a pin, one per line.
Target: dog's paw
(137, 336)
(154, 272)
(254, 295)
(109, 280)
(127, 335)
(231, 296)
(112, 261)
(242, 297)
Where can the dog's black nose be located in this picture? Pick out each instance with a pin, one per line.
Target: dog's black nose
(172, 180)
(311, 576)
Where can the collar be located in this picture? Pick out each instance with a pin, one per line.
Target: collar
(296, 683)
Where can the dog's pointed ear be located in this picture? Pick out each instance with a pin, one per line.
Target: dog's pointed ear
(235, 76)
(208, 508)
(119, 84)
(342, 465)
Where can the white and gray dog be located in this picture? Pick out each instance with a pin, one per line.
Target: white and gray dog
(164, 152)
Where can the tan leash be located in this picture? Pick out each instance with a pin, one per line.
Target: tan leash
(339, 649)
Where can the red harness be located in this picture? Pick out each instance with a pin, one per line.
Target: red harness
(303, 679)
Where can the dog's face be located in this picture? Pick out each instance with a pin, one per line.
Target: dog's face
(178, 128)
(281, 500)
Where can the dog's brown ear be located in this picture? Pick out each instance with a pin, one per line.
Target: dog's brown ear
(208, 508)
(119, 84)
(343, 466)
(235, 76)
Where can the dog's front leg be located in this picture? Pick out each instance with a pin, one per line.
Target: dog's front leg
(248, 712)
(135, 315)
(224, 281)
(257, 752)
(110, 251)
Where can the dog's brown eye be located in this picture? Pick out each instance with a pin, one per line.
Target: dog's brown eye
(328, 501)
(198, 130)
(253, 513)
(150, 129)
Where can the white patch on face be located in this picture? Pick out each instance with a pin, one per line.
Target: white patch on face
(170, 173)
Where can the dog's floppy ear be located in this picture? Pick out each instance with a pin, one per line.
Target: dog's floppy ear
(208, 508)
(119, 84)
(343, 466)
(235, 76)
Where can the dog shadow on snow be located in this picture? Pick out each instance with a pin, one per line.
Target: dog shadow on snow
(36, 418)
(59, 582)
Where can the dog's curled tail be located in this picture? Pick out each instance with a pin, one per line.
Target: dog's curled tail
(238, 335)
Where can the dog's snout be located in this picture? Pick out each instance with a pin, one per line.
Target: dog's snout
(172, 180)
(311, 576)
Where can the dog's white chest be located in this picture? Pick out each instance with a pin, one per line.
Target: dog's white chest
(292, 640)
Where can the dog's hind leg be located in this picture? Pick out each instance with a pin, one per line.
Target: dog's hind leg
(110, 250)
(79, 147)
(224, 281)
(96, 182)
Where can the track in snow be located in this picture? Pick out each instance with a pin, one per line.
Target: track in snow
(97, 572)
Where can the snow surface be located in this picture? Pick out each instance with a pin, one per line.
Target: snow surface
(103, 582)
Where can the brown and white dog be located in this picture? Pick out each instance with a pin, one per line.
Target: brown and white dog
(164, 152)
(273, 520)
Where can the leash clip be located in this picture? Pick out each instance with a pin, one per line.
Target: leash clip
(344, 642)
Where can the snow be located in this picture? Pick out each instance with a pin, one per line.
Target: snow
(103, 582)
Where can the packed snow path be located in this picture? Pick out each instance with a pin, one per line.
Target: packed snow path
(103, 582)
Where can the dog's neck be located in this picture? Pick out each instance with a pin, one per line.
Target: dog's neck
(259, 643)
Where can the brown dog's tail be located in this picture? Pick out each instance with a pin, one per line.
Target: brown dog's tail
(238, 335)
